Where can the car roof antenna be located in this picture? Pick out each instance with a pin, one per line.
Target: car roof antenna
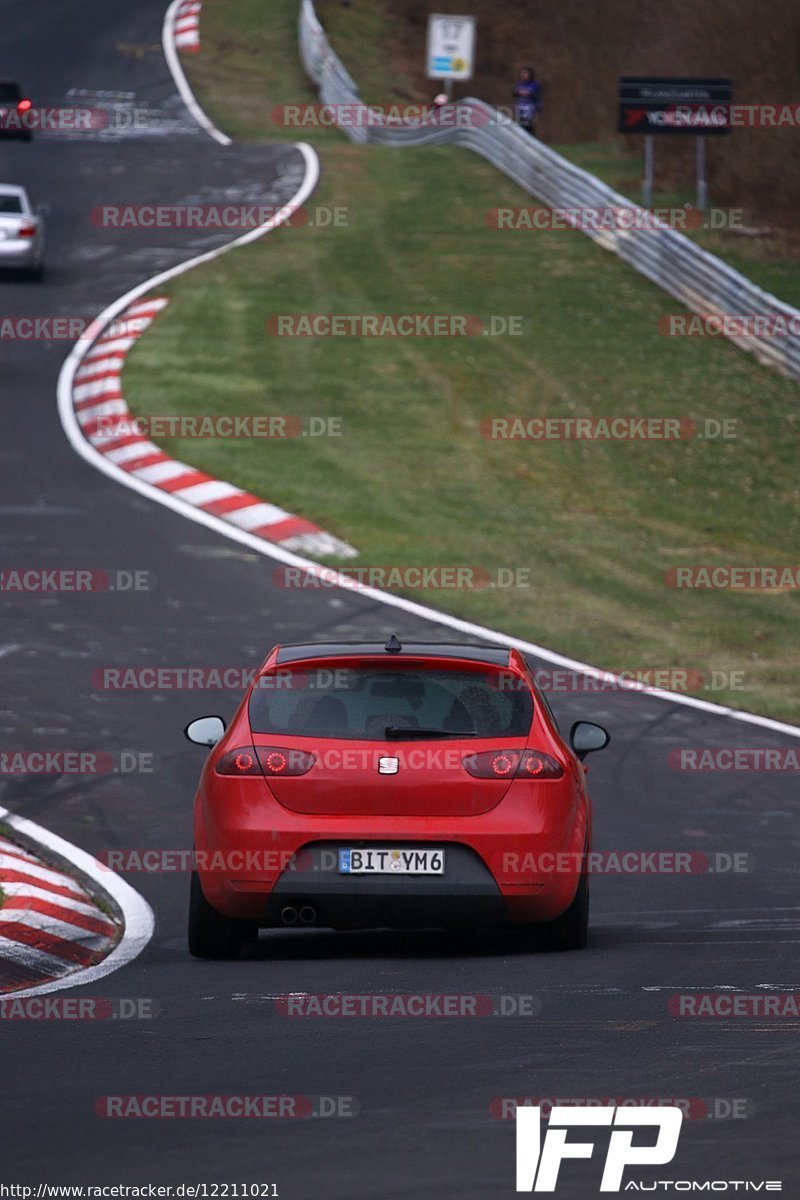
(393, 646)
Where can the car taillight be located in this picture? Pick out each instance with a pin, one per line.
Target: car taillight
(242, 761)
(264, 760)
(512, 764)
(24, 106)
(26, 230)
(276, 761)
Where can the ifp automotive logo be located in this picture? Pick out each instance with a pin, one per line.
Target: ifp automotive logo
(538, 1161)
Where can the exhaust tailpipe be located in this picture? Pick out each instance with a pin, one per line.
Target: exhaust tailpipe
(308, 915)
(289, 915)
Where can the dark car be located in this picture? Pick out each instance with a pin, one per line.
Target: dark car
(14, 107)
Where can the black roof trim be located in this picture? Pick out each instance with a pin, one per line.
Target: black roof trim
(498, 655)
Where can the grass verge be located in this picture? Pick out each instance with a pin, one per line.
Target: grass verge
(411, 480)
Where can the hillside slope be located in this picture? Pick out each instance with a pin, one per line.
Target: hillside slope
(580, 47)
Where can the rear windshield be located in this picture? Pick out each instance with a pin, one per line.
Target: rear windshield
(361, 702)
(9, 91)
(10, 204)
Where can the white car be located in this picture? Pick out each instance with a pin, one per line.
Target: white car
(21, 232)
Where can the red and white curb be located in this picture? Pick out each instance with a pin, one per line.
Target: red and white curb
(97, 398)
(169, 41)
(30, 845)
(187, 25)
(50, 926)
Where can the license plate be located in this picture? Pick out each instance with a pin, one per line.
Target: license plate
(382, 860)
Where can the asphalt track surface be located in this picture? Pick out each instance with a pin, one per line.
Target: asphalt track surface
(424, 1085)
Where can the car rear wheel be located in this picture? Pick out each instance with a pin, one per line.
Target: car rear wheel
(211, 935)
(570, 931)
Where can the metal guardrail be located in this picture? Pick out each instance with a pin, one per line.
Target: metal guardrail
(699, 280)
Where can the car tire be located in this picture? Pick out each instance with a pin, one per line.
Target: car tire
(37, 273)
(211, 935)
(570, 931)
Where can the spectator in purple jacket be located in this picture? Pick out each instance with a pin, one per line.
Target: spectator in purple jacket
(527, 100)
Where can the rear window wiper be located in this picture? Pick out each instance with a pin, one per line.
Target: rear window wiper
(396, 733)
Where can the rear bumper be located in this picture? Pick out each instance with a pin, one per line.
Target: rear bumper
(507, 866)
(19, 252)
(466, 895)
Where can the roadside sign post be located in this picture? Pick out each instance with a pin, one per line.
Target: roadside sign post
(450, 51)
(647, 182)
(702, 187)
(674, 105)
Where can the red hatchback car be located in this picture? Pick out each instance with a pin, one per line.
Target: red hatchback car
(363, 786)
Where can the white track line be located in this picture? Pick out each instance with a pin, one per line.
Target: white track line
(137, 914)
(180, 80)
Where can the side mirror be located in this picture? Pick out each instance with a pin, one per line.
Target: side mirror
(41, 210)
(205, 731)
(585, 736)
